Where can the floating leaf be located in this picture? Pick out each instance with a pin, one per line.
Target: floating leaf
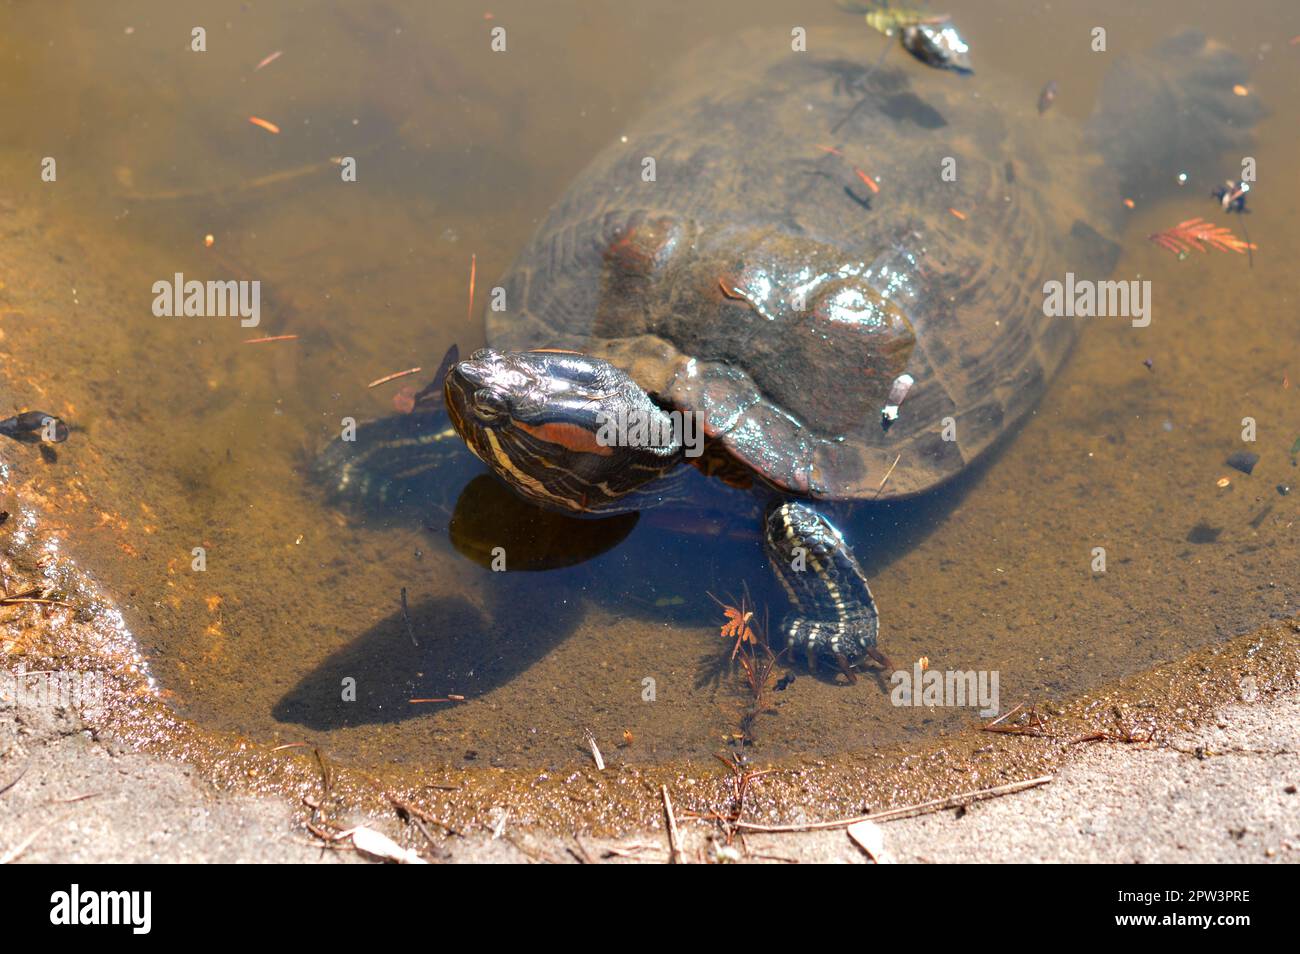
(1199, 235)
(884, 17)
(737, 625)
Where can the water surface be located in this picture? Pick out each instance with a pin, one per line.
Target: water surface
(189, 438)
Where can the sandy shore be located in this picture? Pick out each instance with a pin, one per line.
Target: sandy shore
(1226, 792)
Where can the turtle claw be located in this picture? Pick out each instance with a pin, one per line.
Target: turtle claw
(880, 659)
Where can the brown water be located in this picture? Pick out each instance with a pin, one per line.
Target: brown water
(187, 437)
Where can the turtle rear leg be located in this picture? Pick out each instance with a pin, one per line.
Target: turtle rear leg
(834, 618)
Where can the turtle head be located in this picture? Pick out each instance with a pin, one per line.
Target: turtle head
(566, 430)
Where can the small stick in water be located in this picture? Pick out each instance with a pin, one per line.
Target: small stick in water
(406, 615)
(884, 479)
(473, 268)
(393, 377)
(430, 397)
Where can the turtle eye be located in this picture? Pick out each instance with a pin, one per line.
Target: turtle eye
(489, 405)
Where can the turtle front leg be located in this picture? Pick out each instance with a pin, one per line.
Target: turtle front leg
(834, 618)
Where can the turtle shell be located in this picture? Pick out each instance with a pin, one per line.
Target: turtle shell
(743, 261)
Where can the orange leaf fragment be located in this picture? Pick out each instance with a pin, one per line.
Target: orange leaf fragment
(1199, 235)
(870, 182)
(264, 124)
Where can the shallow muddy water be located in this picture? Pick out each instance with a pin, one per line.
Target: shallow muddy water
(187, 437)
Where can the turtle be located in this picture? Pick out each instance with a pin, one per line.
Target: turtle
(837, 317)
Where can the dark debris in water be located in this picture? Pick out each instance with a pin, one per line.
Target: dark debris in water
(32, 426)
(1258, 520)
(1243, 461)
(1204, 533)
(1047, 97)
(1232, 196)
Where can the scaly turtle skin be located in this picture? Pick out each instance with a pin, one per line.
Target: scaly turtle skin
(728, 261)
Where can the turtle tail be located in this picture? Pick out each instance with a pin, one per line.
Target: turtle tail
(1174, 110)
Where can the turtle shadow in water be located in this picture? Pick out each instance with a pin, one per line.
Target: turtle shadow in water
(450, 645)
(458, 650)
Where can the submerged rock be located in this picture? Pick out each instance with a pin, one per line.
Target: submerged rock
(1243, 461)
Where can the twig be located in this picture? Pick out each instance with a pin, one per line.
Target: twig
(175, 195)
(18, 849)
(17, 778)
(393, 377)
(473, 269)
(674, 844)
(629, 851)
(326, 776)
(1036, 729)
(428, 835)
(12, 854)
(404, 807)
(582, 855)
(1006, 715)
(75, 798)
(887, 474)
(595, 752)
(406, 615)
(939, 804)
